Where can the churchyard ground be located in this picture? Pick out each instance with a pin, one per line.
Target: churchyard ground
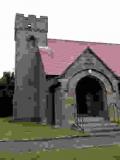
(31, 131)
(94, 153)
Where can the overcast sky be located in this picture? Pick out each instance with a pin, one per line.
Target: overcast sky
(83, 20)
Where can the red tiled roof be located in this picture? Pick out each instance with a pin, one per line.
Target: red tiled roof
(61, 53)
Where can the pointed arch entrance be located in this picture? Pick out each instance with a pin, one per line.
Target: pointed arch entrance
(90, 96)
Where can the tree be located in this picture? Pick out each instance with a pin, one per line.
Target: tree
(6, 93)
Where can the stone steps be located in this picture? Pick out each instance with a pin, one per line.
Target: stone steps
(91, 119)
(102, 129)
(96, 126)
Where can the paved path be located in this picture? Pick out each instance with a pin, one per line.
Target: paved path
(78, 142)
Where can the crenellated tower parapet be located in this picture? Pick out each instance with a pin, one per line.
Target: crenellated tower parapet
(31, 23)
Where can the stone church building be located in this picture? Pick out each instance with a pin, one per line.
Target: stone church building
(58, 81)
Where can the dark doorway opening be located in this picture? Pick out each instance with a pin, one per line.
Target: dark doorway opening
(89, 96)
(52, 95)
(6, 100)
(51, 103)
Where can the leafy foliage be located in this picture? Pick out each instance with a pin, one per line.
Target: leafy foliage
(6, 93)
(7, 77)
(69, 101)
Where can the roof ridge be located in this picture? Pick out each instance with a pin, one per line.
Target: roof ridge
(92, 42)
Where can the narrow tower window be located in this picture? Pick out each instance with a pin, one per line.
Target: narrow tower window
(31, 42)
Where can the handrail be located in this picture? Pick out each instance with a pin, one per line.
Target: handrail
(80, 121)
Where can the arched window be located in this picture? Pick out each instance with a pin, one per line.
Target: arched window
(31, 42)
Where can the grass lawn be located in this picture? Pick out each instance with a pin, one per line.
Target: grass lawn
(98, 153)
(31, 131)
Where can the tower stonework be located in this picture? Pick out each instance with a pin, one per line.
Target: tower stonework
(29, 102)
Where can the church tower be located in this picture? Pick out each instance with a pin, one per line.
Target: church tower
(29, 102)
